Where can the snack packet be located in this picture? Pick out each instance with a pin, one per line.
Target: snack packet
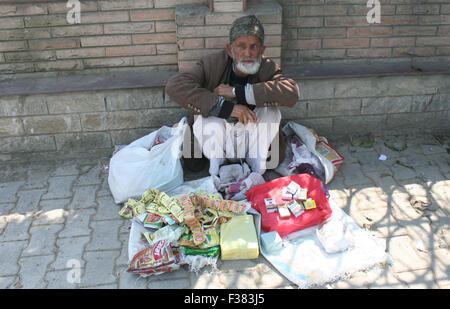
(211, 252)
(153, 221)
(156, 259)
(170, 233)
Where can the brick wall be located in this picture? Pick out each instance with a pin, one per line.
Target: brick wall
(337, 30)
(113, 34)
(120, 35)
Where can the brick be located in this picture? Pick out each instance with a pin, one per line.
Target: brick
(196, 43)
(165, 26)
(154, 38)
(334, 107)
(191, 20)
(414, 30)
(444, 30)
(30, 56)
(22, 9)
(315, 10)
(345, 43)
(11, 22)
(28, 200)
(305, 22)
(322, 33)
(215, 42)
(77, 30)
(357, 9)
(45, 20)
(51, 124)
(443, 51)
(166, 49)
(209, 31)
(22, 34)
(347, 21)
(59, 187)
(71, 103)
(360, 124)
(53, 44)
(158, 59)
(414, 51)
(17, 228)
(222, 18)
(9, 261)
(82, 141)
(11, 127)
(135, 99)
(385, 105)
(130, 27)
(194, 53)
(106, 40)
(42, 241)
(392, 42)
(13, 46)
(369, 32)
(104, 17)
(430, 41)
(399, 20)
(77, 223)
(434, 20)
(131, 50)
(27, 144)
(88, 52)
(105, 235)
(69, 249)
(19, 106)
(304, 44)
(108, 62)
(125, 4)
(235, 6)
(59, 65)
(51, 212)
(155, 14)
(369, 53)
(165, 3)
(99, 268)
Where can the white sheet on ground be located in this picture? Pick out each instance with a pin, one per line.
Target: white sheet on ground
(306, 263)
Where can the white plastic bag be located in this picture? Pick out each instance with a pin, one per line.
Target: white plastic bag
(142, 165)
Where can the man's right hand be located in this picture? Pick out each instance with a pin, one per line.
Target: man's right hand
(243, 114)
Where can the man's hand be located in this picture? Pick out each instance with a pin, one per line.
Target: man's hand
(243, 114)
(224, 91)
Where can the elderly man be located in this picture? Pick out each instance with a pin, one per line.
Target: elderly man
(234, 95)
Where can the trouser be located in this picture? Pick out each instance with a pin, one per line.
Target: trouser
(220, 140)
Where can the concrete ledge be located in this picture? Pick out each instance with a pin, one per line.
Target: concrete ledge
(129, 80)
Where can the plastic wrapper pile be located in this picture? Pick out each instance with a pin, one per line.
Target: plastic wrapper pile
(178, 228)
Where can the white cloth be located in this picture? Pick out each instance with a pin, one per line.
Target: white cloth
(220, 140)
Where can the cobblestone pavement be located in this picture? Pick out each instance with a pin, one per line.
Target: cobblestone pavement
(60, 218)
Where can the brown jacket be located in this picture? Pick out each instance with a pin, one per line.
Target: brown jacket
(194, 89)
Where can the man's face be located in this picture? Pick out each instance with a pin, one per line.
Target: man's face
(246, 52)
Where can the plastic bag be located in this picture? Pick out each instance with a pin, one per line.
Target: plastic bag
(152, 161)
(271, 221)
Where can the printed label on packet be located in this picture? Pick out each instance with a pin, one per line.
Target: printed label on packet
(284, 211)
(270, 205)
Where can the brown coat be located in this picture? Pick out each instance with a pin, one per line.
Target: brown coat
(194, 89)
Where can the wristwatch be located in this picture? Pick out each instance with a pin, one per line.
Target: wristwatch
(234, 91)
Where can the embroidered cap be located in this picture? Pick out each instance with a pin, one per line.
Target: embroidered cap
(246, 25)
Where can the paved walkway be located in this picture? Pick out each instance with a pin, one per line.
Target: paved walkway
(58, 222)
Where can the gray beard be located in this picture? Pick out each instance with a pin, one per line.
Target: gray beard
(248, 68)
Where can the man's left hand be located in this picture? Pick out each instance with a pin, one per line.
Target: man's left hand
(224, 91)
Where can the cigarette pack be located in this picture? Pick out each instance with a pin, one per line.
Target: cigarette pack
(270, 205)
(284, 211)
(293, 187)
(296, 208)
(310, 204)
(301, 194)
